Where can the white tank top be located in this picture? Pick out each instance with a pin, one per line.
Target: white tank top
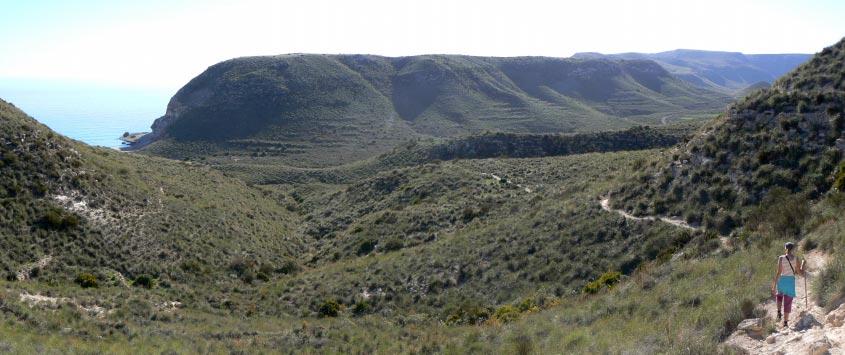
(785, 263)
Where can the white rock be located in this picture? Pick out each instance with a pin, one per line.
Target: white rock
(836, 317)
(752, 327)
(820, 347)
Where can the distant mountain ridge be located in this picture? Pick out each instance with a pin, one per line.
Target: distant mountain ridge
(353, 106)
(727, 72)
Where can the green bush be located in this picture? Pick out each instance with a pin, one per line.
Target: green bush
(839, 180)
(468, 315)
(366, 247)
(506, 314)
(86, 280)
(288, 267)
(830, 285)
(523, 345)
(608, 279)
(244, 268)
(528, 305)
(144, 281)
(57, 218)
(361, 308)
(329, 308)
(782, 213)
(393, 244)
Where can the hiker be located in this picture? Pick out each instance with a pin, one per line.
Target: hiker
(783, 286)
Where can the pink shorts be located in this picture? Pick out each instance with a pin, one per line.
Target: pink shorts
(787, 302)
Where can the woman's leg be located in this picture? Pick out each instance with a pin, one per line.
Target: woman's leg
(779, 301)
(787, 308)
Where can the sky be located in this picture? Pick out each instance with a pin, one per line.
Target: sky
(165, 43)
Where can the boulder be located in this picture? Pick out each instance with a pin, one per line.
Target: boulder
(753, 327)
(733, 349)
(771, 339)
(836, 317)
(820, 347)
(806, 321)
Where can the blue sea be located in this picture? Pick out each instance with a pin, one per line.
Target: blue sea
(91, 113)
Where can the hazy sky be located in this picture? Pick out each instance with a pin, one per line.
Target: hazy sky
(164, 43)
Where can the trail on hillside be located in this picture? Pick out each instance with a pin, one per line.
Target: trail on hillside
(811, 329)
(499, 179)
(677, 222)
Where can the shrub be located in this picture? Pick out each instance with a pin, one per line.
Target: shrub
(56, 218)
(361, 308)
(608, 279)
(86, 280)
(830, 285)
(144, 281)
(506, 313)
(191, 266)
(468, 315)
(528, 305)
(810, 244)
(239, 265)
(288, 267)
(329, 308)
(393, 244)
(366, 247)
(523, 345)
(782, 212)
(839, 180)
(468, 214)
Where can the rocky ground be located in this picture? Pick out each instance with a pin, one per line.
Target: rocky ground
(811, 330)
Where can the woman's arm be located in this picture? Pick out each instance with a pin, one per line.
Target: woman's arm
(777, 274)
(801, 270)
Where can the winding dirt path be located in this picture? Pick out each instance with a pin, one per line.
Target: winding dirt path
(677, 222)
(827, 336)
(499, 179)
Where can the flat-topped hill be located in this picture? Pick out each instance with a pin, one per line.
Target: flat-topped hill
(329, 109)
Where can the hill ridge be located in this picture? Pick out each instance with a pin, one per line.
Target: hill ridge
(352, 106)
(723, 71)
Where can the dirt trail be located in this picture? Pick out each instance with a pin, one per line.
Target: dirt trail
(499, 179)
(677, 222)
(825, 337)
(54, 302)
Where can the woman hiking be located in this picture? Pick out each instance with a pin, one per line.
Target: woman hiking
(783, 286)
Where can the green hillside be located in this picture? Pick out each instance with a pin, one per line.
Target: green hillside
(785, 138)
(489, 243)
(99, 211)
(436, 242)
(267, 170)
(318, 110)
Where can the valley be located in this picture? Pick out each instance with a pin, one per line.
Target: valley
(425, 204)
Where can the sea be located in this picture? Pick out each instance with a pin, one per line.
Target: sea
(92, 113)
